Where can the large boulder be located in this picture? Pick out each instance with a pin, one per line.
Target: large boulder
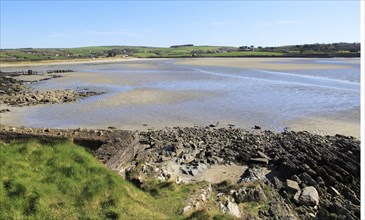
(309, 196)
(255, 174)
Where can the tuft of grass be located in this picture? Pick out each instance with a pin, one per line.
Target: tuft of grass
(202, 214)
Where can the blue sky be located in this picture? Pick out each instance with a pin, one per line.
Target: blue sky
(166, 23)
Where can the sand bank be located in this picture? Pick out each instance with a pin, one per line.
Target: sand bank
(146, 96)
(326, 126)
(259, 63)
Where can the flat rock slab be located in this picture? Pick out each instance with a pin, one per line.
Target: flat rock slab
(292, 186)
(261, 161)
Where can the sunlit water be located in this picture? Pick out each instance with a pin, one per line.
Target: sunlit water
(243, 97)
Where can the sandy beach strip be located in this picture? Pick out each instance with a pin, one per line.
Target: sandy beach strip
(258, 63)
(269, 63)
(326, 126)
(74, 61)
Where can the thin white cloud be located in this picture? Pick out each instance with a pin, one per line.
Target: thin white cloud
(281, 22)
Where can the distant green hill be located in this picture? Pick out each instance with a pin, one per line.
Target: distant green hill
(59, 180)
(188, 50)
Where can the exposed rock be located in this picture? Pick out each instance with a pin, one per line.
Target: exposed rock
(292, 186)
(233, 209)
(277, 183)
(16, 93)
(249, 194)
(280, 212)
(255, 174)
(259, 161)
(187, 209)
(263, 155)
(334, 191)
(4, 110)
(309, 196)
(307, 179)
(329, 163)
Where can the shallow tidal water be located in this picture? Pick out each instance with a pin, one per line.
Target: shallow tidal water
(163, 93)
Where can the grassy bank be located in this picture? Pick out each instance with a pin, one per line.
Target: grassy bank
(97, 52)
(60, 180)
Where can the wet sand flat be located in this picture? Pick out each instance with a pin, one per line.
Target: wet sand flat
(143, 96)
(258, 63)
(174, 92)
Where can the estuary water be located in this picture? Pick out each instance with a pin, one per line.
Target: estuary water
(159, 93)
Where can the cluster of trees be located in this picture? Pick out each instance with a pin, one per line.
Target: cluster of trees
(183, 45)
(317, 48)
(122, 51)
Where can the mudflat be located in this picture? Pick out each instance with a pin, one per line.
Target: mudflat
(265, 63)
(273, 93)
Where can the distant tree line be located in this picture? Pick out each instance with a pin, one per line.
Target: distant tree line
(183, 45)
(316, 48)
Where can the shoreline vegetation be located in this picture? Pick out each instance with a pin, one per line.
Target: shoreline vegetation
(45, 55)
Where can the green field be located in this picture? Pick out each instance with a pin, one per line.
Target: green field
(312, 50)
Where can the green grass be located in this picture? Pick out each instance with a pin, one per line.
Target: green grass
(38, 54)
(56, 179)
(247, 53)
(60, 180)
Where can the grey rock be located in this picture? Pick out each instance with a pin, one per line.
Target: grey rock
(260, 161)
(233, 209)
(309, 196)
(253, 174)
(193, 172)
(307, 179)
(249, 195)
(292, 186)
(277, 183)
(333, 191)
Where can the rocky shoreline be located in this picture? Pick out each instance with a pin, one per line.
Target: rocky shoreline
(16, 92)
(294, 175)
